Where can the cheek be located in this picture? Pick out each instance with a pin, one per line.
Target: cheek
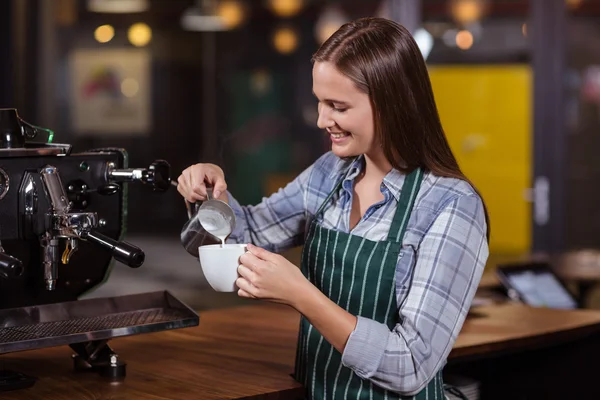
(359, 124)
(368, 127)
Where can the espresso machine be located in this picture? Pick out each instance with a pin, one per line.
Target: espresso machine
(62, 218)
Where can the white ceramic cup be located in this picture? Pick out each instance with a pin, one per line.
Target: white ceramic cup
(220, 265)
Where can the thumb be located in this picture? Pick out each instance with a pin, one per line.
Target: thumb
(261, 253)
(218, 183)
(219, 188)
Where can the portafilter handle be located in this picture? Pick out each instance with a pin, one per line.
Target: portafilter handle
(124, 252)
(10, 267)
(158, 174)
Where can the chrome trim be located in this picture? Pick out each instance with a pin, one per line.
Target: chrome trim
(50, 260)
(54, 189)
(7, 185)
(47, 150)
(74, 224)
(30, 196)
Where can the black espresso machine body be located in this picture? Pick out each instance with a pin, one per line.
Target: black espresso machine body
(24, 215)
(62, 219)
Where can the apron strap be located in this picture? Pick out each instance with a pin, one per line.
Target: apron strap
(410, 189)
(408, 195)
(337, 187)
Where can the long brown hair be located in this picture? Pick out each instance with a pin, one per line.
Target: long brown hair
(383, 60)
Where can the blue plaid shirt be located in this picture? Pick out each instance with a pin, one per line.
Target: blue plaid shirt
(443, 253)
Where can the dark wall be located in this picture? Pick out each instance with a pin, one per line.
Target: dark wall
(6, 89)
(179, 132)
(582, 214)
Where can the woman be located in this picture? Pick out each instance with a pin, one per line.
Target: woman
(394, 235)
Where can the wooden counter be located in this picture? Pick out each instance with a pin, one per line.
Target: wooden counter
(510, 327)
(519, 352)
(248, 352)
(243, 352)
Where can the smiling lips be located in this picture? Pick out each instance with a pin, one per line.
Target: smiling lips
(338, 135)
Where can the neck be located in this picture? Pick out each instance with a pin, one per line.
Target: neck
(376, 166)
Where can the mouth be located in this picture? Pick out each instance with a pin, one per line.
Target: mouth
(338, 135)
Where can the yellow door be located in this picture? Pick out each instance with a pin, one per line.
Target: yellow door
(486, 113)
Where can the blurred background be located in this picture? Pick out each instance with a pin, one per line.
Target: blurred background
(517, 83)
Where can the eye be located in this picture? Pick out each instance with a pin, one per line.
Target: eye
(337, 109)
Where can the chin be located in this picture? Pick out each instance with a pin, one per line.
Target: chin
(344, 152)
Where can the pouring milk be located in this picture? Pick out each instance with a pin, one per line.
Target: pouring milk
(216, 223)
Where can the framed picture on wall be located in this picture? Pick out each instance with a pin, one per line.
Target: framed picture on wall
(110, 92)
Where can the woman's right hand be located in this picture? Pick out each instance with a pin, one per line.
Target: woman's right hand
(193, 180)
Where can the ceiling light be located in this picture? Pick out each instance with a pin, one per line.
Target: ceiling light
(464, 40)
(329, 22)
(212, 15)
(285, 8)
(104, 33)
(139, 34)
(424, 41)
(118, 6)
(231, 13)
(468, 11)
(285, 40)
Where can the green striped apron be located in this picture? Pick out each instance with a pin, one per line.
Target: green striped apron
(359, 275)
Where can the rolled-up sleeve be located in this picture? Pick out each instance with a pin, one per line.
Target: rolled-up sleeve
(277, 223)
(448, 266)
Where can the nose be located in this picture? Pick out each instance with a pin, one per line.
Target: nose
(324, 120)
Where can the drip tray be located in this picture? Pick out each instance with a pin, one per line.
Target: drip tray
(58, 324)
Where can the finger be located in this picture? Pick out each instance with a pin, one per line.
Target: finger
(249, 260)
(217, 181)
(253, 263)
(184, 189)
(247, 274)
(246, 286)
(262, 254)
(184, 193)
(243, 293)
(181, 185)
(197, 185)
(181, 182)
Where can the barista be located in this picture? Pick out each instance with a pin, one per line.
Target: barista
(395, 236)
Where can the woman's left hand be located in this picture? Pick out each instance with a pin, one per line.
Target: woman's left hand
(269, 276)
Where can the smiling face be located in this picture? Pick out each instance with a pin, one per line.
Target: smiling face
(344, 112)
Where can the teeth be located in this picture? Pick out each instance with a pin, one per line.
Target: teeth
(338, 135)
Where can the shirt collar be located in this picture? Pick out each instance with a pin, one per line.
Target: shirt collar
(393, 181)
(353, 166)
(356, 167)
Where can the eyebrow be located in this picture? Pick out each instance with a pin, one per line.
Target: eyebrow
(330, 100)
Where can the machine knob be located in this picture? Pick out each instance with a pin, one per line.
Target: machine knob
(124, 252)
(108, 189)
(10, 267)
(159, 175)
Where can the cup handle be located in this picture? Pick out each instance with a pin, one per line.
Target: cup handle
(209, 193)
